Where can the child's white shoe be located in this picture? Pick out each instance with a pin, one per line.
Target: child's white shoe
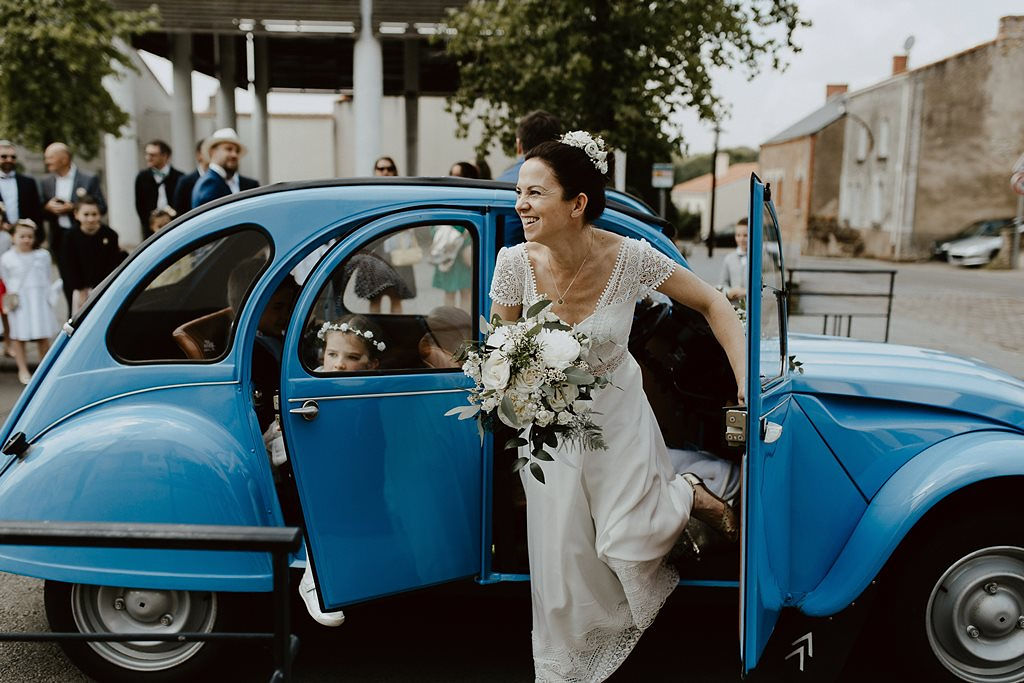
(307, 589)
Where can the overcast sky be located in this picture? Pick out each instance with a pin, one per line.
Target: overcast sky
(849, 42)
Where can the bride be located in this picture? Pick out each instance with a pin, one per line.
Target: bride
(600, 527)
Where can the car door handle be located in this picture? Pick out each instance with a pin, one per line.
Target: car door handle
(308, 411)
(770, 431)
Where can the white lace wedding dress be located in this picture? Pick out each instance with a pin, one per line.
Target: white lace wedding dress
(600, 527)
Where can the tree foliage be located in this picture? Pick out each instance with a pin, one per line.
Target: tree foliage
(54, 55)
(614, 67)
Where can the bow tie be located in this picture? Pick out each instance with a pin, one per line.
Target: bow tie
(159, 175)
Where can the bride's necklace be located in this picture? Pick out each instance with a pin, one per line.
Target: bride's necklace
(561, 294)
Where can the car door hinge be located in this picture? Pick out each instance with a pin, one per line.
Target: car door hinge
(736, 426)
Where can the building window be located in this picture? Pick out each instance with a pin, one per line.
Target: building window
(876, 204)
(883, 139)
(862, 143)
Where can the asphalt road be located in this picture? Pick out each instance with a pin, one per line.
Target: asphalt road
(467, 632)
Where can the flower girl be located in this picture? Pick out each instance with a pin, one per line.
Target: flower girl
(25, 270)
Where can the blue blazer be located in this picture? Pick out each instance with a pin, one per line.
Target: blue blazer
(212, 186)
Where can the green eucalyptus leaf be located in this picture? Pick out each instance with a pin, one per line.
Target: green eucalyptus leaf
(515, 443)
(537, 307)
(537, 472)
(519, 463)
(544, 455)
(508, 410)
(577, 376)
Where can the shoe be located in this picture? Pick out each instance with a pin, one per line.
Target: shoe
(24, 377)
(721, 519)
(307, 589)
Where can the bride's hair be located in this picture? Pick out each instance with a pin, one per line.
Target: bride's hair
(575, 172)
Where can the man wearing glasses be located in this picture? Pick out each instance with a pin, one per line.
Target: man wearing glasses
(19, 192)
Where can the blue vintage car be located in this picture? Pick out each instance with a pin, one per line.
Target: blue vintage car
(872, 464)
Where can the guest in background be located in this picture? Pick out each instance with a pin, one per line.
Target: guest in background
(485, 169)
(182, 201)
(155, 184)
(91, 252)
(385, 166)
(464, 169)
(61, 188)
(534, 128)
(224, 150)
(25, 270)
(18, 192)
(158, 218)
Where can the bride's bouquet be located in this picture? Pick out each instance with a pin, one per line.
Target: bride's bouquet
(531, 376)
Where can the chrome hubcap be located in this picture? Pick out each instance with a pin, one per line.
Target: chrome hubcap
(975, 613)
(105, 609)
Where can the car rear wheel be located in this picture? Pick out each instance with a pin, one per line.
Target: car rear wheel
(960, 593)
(90, 609)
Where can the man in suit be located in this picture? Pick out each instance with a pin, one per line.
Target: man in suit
(222, 178)
(733, 280)
(182, 201)
(60, 189)
(155, 184)
(19, 192)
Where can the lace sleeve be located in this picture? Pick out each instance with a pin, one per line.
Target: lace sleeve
(509, 278)
(654, 269)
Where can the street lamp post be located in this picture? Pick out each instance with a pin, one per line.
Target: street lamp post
(714, 183)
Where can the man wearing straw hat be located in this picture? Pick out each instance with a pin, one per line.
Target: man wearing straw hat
(222, 178)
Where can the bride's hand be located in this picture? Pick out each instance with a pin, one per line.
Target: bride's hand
(741, 393)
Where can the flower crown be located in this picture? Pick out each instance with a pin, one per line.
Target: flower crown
(349, 329)
(592, 146)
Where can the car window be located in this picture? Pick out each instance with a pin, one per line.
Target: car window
(186, 310)
(402, 301)
(771, 300)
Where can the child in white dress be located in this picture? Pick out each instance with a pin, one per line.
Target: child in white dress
(25, 270)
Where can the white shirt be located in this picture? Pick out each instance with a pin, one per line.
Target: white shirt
(232, 181)
(9, 196)
(160, 176)
(63, 189)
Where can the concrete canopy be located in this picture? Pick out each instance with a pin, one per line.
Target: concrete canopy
(310, 44)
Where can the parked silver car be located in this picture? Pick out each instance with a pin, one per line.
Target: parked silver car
(975, 245)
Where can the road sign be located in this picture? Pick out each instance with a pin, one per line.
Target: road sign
(662, 175)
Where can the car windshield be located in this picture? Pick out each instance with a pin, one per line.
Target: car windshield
(982, 229)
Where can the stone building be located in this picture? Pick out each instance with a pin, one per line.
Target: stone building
(802, 165)
(929, 150)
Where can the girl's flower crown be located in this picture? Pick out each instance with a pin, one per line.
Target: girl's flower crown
(592, 146)
(349, 329)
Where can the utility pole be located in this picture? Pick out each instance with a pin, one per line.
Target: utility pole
(714, 182)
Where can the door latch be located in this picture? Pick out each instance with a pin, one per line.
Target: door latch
(736, 426)
(308, 411)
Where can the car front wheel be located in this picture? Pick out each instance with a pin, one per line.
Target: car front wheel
(961, 596)
(82, 608)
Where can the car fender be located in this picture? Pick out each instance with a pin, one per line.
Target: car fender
(903, 500)
(140, 462)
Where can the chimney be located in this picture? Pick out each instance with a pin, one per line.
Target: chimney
(721, 164)
(1011, 27)
(899, 64)
(833, 89)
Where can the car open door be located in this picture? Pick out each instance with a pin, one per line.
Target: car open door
(763, 573)
(391, 489)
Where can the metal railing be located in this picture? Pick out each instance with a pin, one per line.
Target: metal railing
(836, 318)
(278, 541)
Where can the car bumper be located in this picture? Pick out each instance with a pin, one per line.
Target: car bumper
(979, 260)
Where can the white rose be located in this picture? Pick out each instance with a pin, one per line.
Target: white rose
(543, 417)
(495, 372)
(489, 404)
(558, 348)
(564, 417)
(530, 378)
(592, 149)
(499, 338)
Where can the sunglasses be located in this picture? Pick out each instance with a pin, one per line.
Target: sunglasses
(385, 168)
